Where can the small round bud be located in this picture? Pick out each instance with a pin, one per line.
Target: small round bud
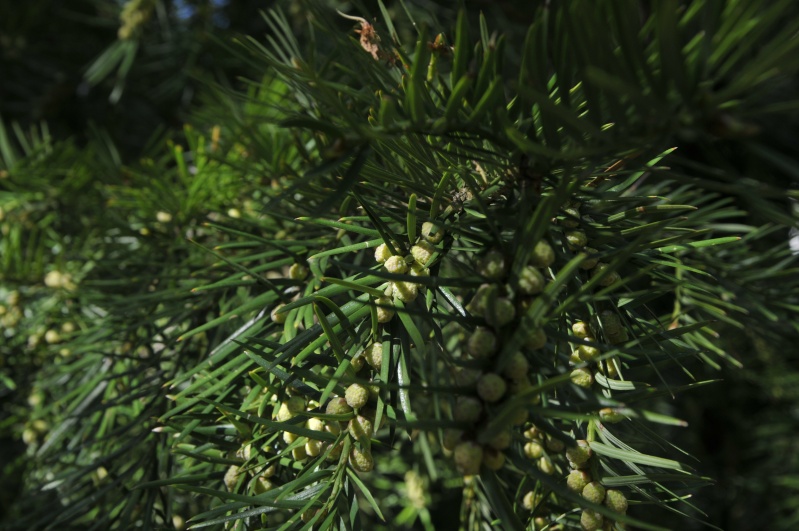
(338, 406)
(374, 356)
(313, 448)
(610, 415)
(418, 270)
(357, 395)
(608, 279)
(534, 450)
(290, 408)
(519, 384)
(466, 377)
(621, 337)
(396, 265)
(579, 455)
(582, 377)
(279, 318)
(384, 309)
(13, 298)
(371, 413)
(34, 339)
(357, 361)
(533, 433)
(308, 515)
(179, 523)
(315, 424)
(576, 239)
(592, 260)
(299, 453)
(269, 471)
(59, 280)
(587, 352)
(554, 444)
(531, 281)
(382, 253)
(52, 336)
(531, 500)
(482, 343)
(163, 217)
(35, 399)
(335, 451)
(29, 436)
(493, 459)
(499, 312)
(361, 460)
(611, 324)
(468, 458)
(608, 368)
(536, 339)
(451, 438)
(502, 440)
(543, 255)
(520, 416)
(298, 272)
(422, 252)
(289, 437)
(545, 466)
(594, 492)
(360, 428)
(245, 452)
(53, 279)
(491, 387)
(492, 265)
(478, 303)
(591, 520)
(374, 391)
(571, 218)
(517, 366)
(581, 330)
(616, 501)
(405, 291)
(262, 485)
(577, 480)
(432, 232)
(467, 409)
(232, 477)
(99, 474)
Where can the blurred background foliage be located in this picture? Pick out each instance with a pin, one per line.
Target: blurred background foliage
(96, 197)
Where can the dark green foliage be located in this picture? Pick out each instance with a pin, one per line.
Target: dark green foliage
(177, 324)
(66, 63)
